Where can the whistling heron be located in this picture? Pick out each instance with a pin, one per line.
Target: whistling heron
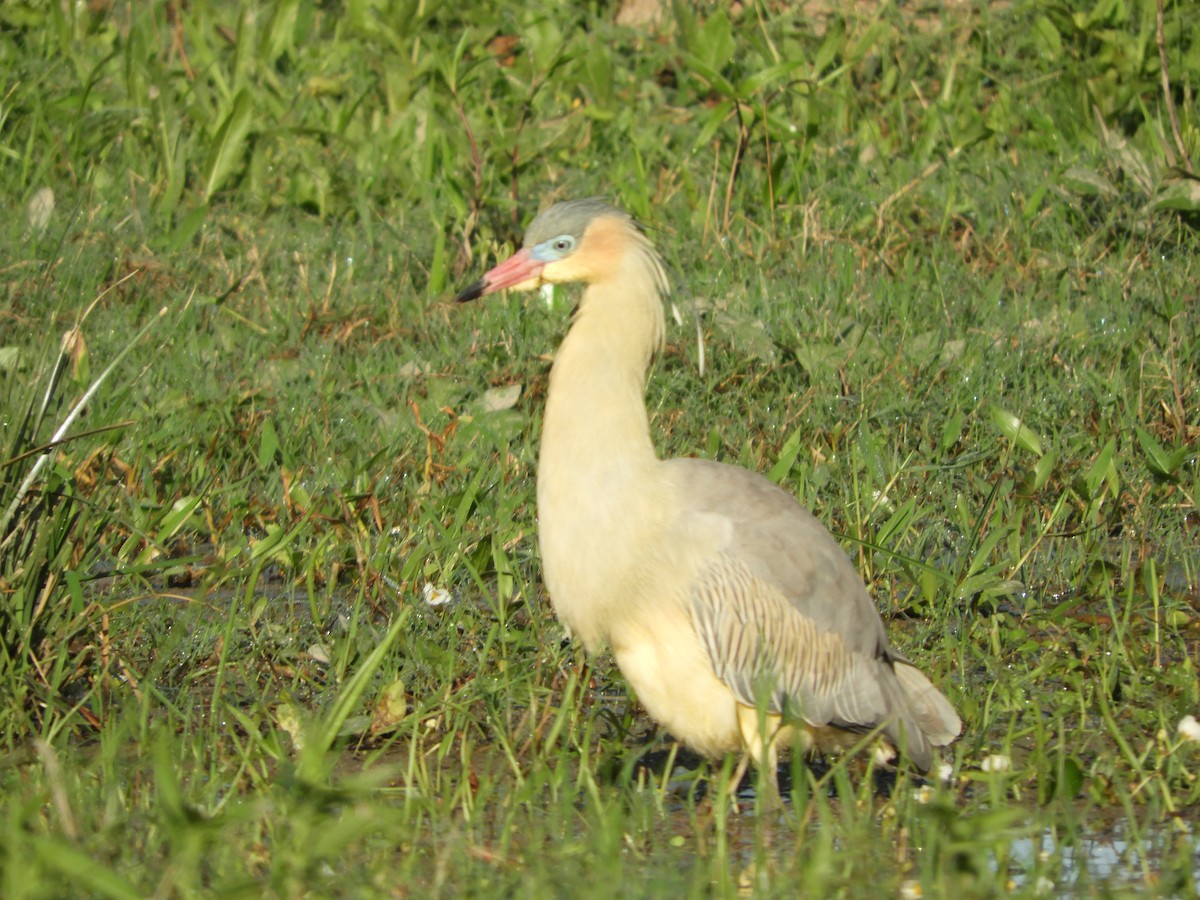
(720, 596)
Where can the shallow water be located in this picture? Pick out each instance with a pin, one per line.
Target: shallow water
(1092, 849)
(1112, 856)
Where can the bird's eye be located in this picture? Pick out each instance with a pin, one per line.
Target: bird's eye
(563, 244)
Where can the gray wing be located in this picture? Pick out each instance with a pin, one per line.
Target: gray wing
(784, 618)
(783, 544)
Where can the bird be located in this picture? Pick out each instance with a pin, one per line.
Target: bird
(732, 612)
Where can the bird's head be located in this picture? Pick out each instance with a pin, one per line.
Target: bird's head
(578, 240)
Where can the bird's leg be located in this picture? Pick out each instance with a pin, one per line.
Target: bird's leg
(759, 734)
(769, 767)
(736, 780)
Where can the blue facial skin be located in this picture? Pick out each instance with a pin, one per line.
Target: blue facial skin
(554, 249)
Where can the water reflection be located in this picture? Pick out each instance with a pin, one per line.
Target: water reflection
(1113, 856)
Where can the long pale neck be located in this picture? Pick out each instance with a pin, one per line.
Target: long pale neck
(596, 409)
(598, 495)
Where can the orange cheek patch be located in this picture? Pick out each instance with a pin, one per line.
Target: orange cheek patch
(604, 241)
(600, 253)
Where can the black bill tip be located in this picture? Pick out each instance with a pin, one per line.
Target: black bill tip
(471, 292)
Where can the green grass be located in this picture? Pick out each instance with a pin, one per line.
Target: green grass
(945, 268)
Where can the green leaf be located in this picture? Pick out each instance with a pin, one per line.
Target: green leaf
(1044, 469)
(750, 86)
(275, 538)
(1182, 195)
(1106, 12)
(1103, 470)
(438, 276)
(820, 359)
(75, 589)
(1048, 37)
(1015, 430)
(981, 559)
(312, 765)
(1087, 183)
(1071, 782)
(85, 873)
(831, 48)
(714, 41)
(866, 42)
(952, 431)
(1158, 460)
(181, 510)
(713, 123)
(225, 155)
(787, 457)
(268, 446)
(895, 527)
(712, 77)
(185, 231)
(597, 66)
(278, 37)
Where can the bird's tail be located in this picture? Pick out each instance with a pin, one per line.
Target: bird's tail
(931, 711)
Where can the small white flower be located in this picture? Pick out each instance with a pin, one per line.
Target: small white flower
(996, 762)
(289, 720)
(911, 890)
(436, 596)
(319, 652)
(40, 209)
(502, 398)
(1189, 728)
(923, 794)
(945, 772)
